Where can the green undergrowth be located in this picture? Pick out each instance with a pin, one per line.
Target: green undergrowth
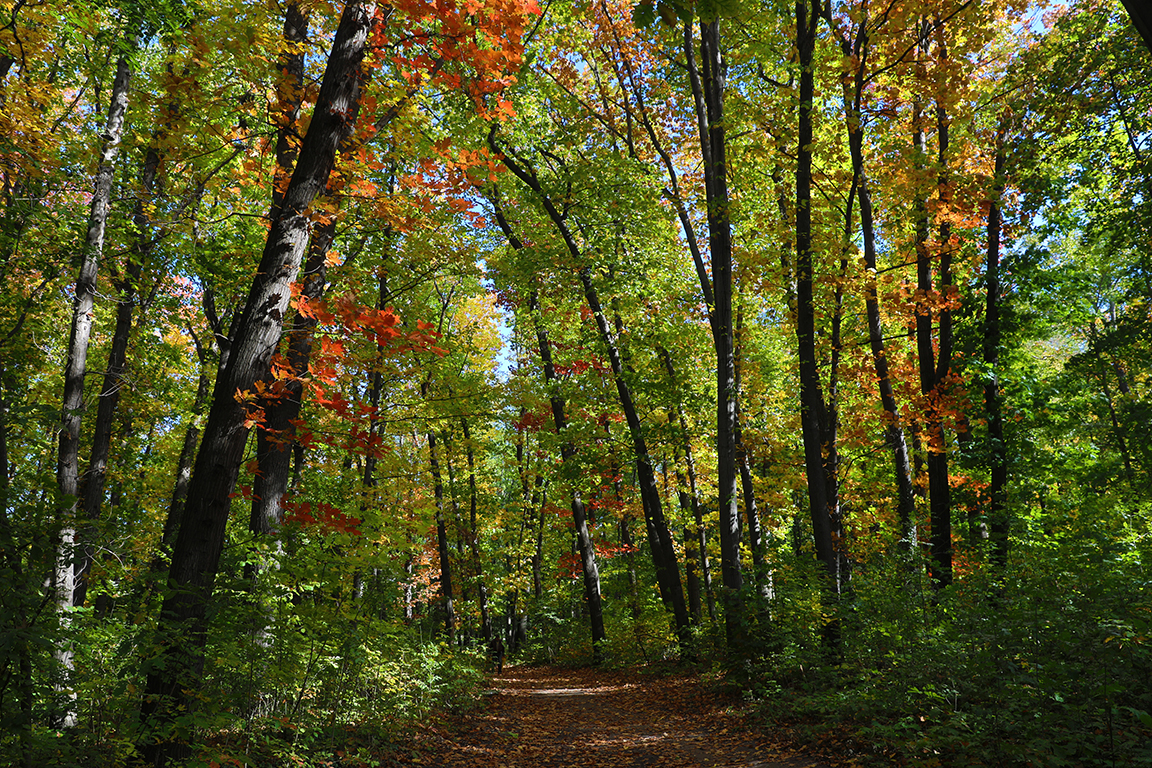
(1050, 666)
(348, 694)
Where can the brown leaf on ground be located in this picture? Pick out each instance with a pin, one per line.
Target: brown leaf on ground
(544, 717)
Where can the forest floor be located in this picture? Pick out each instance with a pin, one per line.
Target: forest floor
(546, 717)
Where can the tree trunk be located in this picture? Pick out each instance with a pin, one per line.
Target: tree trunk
(660, 539)
(276, 435)
(474, 534)
(894, 434)
(713, 142)
(83, 309)
(16, 598)
(661, 544)
(257, 331)
(932, 372)
(696, 529)
(442, 539)
(760, 576)
(997, 455)
(812, 411)
(185, 462)
(567, 454)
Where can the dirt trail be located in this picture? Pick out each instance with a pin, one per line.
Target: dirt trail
(554, 718)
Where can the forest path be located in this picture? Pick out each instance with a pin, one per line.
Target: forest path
(544, 717)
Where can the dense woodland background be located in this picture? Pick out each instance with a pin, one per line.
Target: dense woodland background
(806, 343)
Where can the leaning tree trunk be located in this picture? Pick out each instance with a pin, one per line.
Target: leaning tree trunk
(182, 630)
(68, 465)
(662, 547)
(127, 288)
(567, 454)
(274, 438)
(894, 434)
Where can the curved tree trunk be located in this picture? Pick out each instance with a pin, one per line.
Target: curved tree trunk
(894, 434)
(660, 540)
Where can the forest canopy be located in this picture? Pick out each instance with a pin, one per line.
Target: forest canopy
(346, 346)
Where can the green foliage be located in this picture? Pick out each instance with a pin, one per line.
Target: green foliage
(1045, 666)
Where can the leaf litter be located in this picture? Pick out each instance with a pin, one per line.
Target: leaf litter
(548, 717)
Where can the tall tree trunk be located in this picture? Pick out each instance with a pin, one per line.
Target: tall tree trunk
(127, 287)
(760, 576)
(894, 434)
(275, 436)
(567, 454)
(660, 538)
(714, 143)
(83, 309)
(442, 539)
(474, 533)
(662, 547)
(997, 455)
(933, 371)
(182, 630)
(812, 410)
(811, 398)
(696, 529)
(17, 596)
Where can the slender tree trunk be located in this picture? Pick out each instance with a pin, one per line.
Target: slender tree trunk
(692, 569)
(998, 458)
(894, 434)
(931, 370)
(662, 546)
(538, 551)
(127, 289)
(714, 143)
(184, 464)
(16, 597)
(811, 399)
(696, 529)
(83, 309)
(760, 576)
(567, 454)
(812, 409)
(442, 540)
(474, 533)
(257, 331)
